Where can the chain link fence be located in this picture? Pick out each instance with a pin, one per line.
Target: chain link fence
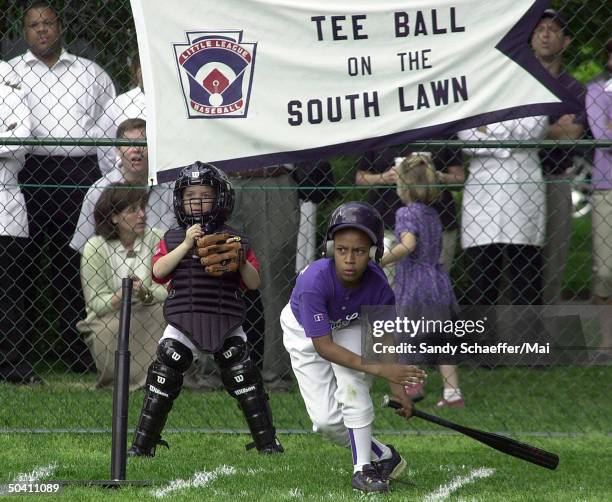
(525, 213)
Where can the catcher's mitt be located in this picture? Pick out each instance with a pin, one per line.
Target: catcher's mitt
(220, 253)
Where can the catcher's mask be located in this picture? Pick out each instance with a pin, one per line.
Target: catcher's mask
(362, 216)
(222, 206)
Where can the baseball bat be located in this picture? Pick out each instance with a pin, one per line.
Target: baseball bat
(121, 385)
(501, 443)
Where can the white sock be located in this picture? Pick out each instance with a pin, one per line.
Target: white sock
(452, 394)
(361, 444)
(379, 451)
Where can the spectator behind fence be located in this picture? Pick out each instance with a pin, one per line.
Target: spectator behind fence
(599, 111)
(504, 213)
(66, 95)
(422, 286)
(122, 247)
(8, 76)
(128, 105)
(267, 210)
(549, 40)
(15, 338)
(378, 168)
(133, 169)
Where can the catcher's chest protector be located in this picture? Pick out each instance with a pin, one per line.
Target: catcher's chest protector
(204, 308)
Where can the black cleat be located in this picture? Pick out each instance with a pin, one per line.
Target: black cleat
(390, 468)
(269, 449)
(368, 480)
(135, 451)
(273, 448)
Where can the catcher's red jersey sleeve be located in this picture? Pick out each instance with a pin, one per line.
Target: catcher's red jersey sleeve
(162, 250)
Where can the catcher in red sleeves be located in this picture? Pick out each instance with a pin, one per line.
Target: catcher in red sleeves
(205, 263)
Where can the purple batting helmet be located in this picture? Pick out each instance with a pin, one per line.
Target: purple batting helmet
(362, 216)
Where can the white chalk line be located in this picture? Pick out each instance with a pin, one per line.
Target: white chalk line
(198, 480)
(204, 478)
(29, 477)
(445, 490)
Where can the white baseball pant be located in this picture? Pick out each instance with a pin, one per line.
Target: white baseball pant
(336, 397)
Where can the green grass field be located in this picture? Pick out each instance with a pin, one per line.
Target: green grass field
(312, 469)
(564, 410)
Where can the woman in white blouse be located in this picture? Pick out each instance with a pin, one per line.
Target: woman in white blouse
(122, 247)
(504, 213)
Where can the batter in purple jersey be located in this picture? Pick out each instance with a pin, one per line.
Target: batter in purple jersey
(322, 333)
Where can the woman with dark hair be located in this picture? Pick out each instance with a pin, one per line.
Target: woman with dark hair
(122, 247)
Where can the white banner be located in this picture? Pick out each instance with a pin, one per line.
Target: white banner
(245, 83)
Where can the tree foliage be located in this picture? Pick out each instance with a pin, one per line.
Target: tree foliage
(589, 22)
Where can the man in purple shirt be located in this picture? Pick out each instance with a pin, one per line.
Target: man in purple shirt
(599, 113)
(549, 40)
(322, 333)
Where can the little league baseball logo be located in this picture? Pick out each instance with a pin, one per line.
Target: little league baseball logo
(216, 73)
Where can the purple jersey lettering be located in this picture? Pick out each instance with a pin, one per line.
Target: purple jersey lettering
(321, 303)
